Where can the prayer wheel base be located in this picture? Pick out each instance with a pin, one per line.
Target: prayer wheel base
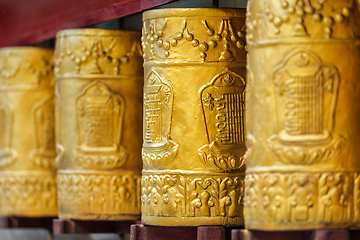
(143, 232)
(95, 217)
(321, 234)
(26, 222)
(61, 226)
(192, 221)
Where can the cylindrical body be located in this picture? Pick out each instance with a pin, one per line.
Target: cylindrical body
(27, 142)
(194, 95)
(303, 115)
(98, 123)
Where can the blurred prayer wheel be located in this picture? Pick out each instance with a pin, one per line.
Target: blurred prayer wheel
(27, 143)
(98, 123)
(194, 95)
(303, 115)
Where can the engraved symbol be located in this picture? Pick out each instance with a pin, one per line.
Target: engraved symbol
(7, 154)
(100, 113)
(305, 124)
(209, 101)
(43, 117)
(158, 101)
(223, 104)
(302, 198)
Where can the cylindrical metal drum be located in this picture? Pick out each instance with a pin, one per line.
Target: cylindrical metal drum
(98, 123)
(303, 115)
(27, 143)
(194, 104)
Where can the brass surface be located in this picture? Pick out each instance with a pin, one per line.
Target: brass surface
(194, 93)
(98, 123)
(27, 142)
(302, 115)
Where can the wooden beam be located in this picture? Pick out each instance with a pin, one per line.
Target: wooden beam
(25, 22)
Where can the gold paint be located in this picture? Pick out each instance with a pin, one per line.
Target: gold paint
(98, 112)
(194, 98)
(27, 141)
(302, 115)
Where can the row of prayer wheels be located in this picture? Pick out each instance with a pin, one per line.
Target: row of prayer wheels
(73, 147)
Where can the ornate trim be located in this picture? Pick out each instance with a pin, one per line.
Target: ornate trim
(205, 199)
(27, 194)
(305, 200)
(26, 67)
(319, 19)
(97, 53)
(228, 36)
(103, 195)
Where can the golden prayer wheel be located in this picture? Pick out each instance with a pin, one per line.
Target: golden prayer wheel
(27, 142)
(194, 95)
(98, 123)
(303, 115)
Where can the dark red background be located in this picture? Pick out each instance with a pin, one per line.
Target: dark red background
(29, 21)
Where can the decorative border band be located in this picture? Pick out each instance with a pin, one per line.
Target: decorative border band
(192, 199)
(27, 193)
(99, 195)
(301, 200)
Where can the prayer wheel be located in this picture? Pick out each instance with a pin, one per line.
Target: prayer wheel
(27, 142)
(194, 103)
(98, 123)
(302, 115)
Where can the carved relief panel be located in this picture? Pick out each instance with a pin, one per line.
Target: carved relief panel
(100, 113)
(306, 92)
(223, 105)
(7, 155)
(158, 148)
(44, 121)
(192, 196)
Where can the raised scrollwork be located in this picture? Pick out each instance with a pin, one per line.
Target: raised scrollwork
(96, 58)
(300, 18)
(33, 64)
(226, 36)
